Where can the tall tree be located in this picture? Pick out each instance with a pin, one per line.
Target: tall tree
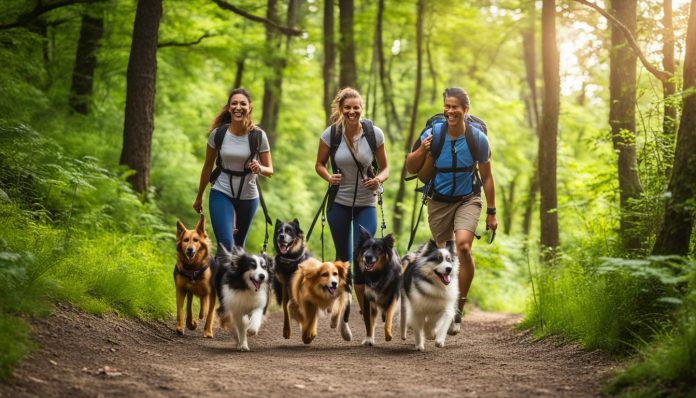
(348, 73)
(398, 205)
(677, 224)
(669, 118)
(390, 113)
(530, 63)
(622, 117)
(549, 131)
(329, 70)
(140, 93)
(85, 62)
(271, 83)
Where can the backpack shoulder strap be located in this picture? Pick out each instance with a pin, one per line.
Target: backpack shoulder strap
(471, 142)
(439, 132)
(334, 142)
(369, 131)
(255, 137)
(220, 132)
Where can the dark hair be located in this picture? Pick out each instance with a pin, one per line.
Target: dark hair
(224, 116)
(459, 94)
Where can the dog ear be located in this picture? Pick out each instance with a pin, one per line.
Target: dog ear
(342, 268)
(450, 245)
(389, 241)
(309, 268)
(430, 246)
(180, 229)
(200, 226)
(363, 236)
(296, 223)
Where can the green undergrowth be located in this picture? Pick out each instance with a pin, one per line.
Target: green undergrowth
(73, 232)
(631, 308)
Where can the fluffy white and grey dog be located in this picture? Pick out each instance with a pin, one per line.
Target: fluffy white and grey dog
(429, 293)
(242, 283)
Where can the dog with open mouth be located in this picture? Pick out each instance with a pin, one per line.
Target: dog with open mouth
(290, 248)
(319, 286)
(242, 283)
(193, 274)
(429, 292)
(379, 262)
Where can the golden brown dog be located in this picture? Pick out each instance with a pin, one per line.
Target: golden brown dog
(319, 286)
(193, 275)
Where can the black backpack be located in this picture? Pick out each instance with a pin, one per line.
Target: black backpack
(255, 137)
(337, 136)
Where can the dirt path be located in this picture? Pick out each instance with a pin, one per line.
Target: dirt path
(84, 355)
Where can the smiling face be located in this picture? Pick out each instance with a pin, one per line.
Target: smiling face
(288, 237)
(239, 107)
(454, 111)
(351, 109)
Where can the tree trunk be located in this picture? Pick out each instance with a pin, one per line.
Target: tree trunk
(140, 93)
(508, 205)
(549, 132)
(272, 84)
(348, 74)
(398, 205)
(329, 70)
(85, 63)
(530, 63)
(675, 235)
(622, 105)
(239, 74)
(390, 114)
(669, 118)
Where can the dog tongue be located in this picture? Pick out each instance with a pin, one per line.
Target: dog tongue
(283, 249)
(446, 278)
(256, 283)
(331, 290)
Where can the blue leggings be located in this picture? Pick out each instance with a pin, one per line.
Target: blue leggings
(339, 223)
(222, 212)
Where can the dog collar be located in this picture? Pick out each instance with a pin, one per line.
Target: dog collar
(299, 258)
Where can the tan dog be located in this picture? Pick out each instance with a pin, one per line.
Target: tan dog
(193, 275)
(319, 286)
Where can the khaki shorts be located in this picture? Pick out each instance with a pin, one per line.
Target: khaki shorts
(445, 218)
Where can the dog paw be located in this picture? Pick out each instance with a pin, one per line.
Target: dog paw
(286, 334)
(180, 331)
(369, 341)
(420, 347)
(334, 323)
(388, 337)
(192, 325)
(308, 339)
(454, 328)
(208, 335)
(346, 333)
(243, 347)
(440, 344)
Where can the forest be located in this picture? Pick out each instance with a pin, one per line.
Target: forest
(590, 107)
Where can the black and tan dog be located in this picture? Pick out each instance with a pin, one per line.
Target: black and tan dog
(289, 243)
(379, 261)
(193, 276)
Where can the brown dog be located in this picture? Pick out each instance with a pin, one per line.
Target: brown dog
(319, 286)
(193, 275)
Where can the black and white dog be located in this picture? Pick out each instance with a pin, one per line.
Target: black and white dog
(242, 283)
(379, 261)
(289, 243)
(429, 293)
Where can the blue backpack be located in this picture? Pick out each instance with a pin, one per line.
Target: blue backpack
(438, 124)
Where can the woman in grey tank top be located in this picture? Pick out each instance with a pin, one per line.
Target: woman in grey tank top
(354, 206)
(234, 197)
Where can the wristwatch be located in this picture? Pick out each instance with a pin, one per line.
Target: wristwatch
(490, 211)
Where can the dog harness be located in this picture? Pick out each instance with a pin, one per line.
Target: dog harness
(193, 275)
